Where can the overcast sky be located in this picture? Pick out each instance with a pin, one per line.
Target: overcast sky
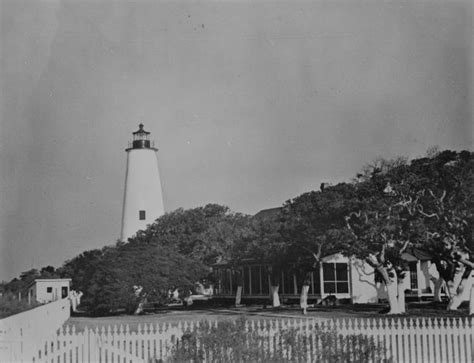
(250, 104)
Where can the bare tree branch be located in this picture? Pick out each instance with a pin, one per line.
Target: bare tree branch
(432, 234)
(382, 253)
(405, 245)
(440, 199)
(467, 263)
(372, 260)
(317, 255)
(443, 196)
(420, 209)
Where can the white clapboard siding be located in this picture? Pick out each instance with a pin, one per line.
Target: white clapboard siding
(415, 340)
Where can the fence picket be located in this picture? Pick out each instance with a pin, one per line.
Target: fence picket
(416, 340)
(402, 339)
(457, 343)
(395, 340)
(80, 347)
(449, 340)
(470, 340)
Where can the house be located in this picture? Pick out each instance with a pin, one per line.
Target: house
(344, 277)
(47, 290)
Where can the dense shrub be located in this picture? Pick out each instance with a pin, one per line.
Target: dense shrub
(10, 305)
(230, 341)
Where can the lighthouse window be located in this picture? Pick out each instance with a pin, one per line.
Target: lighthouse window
(142, 215)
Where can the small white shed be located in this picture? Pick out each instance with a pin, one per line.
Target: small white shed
(47, 290)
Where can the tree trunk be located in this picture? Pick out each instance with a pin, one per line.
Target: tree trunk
(438, 286)
(304, 298)
(392, 288)
(447, 278)
(471, 300)
(401, 296)
(392, 292)
(139, 309)
(456, 298)
(238, 295)
(456, 291)
(275, 297)
(274, 274)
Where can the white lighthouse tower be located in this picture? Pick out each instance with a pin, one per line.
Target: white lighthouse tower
(143, 201)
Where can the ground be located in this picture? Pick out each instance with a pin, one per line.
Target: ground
(173, 316)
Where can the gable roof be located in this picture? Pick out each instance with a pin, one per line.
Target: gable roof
(269, 213)
(419, 254)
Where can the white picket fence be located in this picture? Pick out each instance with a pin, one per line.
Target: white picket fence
(21, 334)
(430, 340)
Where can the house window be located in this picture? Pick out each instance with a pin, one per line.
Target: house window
(49, 289)
(336, 278)
(413, 275)
(265, 289)
(142, 215)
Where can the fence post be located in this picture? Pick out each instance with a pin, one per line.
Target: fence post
(470, 338)
(457, 343)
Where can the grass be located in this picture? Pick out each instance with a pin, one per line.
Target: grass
(173, 316)
(10, 305)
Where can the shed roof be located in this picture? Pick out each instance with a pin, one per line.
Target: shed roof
(48, 280)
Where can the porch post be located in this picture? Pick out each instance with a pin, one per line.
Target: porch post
(419, 277)
(321, 279)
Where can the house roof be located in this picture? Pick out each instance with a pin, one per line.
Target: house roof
(48, 280)
(419, 254)
(268, 213)
(415, 252)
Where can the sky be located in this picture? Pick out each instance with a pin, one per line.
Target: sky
(249, 103)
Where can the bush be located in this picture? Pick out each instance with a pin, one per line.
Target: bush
(230, 341)
(10, 305)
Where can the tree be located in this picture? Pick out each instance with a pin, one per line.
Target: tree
(205, 233)
(267, 246)
(19, 285)
(49, 272)
(382, 226)
(441, 197)
(173, 252)
(257, 240)
(125, 275)
(427, 204)
(313, 226)
(150, 269)
(81, 269)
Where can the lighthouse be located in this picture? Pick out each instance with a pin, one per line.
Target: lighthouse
(143, 200)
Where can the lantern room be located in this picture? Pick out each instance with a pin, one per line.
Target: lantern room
(141, 140)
